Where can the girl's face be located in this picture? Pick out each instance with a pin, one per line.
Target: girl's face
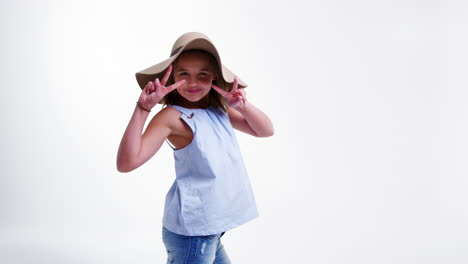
(197, 71)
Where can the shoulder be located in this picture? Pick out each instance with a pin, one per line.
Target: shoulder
(165, 118)
(169, 118)
(167, 114)
(169, 111)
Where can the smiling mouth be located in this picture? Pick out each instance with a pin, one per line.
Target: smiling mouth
(194, 90)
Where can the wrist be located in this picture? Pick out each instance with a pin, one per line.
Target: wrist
(140, 105)
(243, 107)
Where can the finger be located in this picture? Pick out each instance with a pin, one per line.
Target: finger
(147, 86)
(146, 89)
(175, 85)
(151, 87)
(235, 84)
(242, 91)
(157, 85)
(219, 90)
(166, 75)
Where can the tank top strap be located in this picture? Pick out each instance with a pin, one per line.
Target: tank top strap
(187, 116)
(187, 112)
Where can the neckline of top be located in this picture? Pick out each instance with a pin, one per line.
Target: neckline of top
(209, 107)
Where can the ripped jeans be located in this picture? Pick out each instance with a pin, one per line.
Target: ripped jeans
(194, 249)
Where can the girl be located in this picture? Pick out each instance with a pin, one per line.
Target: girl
(204, 102)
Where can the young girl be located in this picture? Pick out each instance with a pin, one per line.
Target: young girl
(204, 102)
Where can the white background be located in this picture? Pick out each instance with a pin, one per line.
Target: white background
(368, 163)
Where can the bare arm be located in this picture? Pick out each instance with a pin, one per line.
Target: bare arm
(135, 148)
(130, 144)
(245, 116)
(251, 120)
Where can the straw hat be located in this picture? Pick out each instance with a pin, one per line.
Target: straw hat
(188, 41)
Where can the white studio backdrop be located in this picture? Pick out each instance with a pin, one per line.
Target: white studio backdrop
(368, 99)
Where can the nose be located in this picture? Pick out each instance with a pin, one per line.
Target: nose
(193, 82)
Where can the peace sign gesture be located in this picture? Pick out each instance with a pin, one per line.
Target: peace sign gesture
(236, 98)
(155, 91)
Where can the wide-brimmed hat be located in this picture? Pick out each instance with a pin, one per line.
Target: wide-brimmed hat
(188, 41)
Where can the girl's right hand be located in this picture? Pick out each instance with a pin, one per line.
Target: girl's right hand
(155, 91)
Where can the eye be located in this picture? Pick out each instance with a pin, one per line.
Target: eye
(183, 73)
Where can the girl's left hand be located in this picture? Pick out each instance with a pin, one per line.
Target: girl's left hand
(236, 98)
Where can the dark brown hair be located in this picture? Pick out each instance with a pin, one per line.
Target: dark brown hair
(215, 99)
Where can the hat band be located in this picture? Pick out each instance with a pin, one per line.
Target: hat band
(174, 52)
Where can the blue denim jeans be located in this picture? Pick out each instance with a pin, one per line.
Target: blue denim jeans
(194, 249)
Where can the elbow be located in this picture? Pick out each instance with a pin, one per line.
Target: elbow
(128, 164)
(124, 167)
(271, 133)
(267, 133)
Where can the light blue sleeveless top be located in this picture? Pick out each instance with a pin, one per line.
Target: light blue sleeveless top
(212, 191)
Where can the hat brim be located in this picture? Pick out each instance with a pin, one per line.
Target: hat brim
(158, 70)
